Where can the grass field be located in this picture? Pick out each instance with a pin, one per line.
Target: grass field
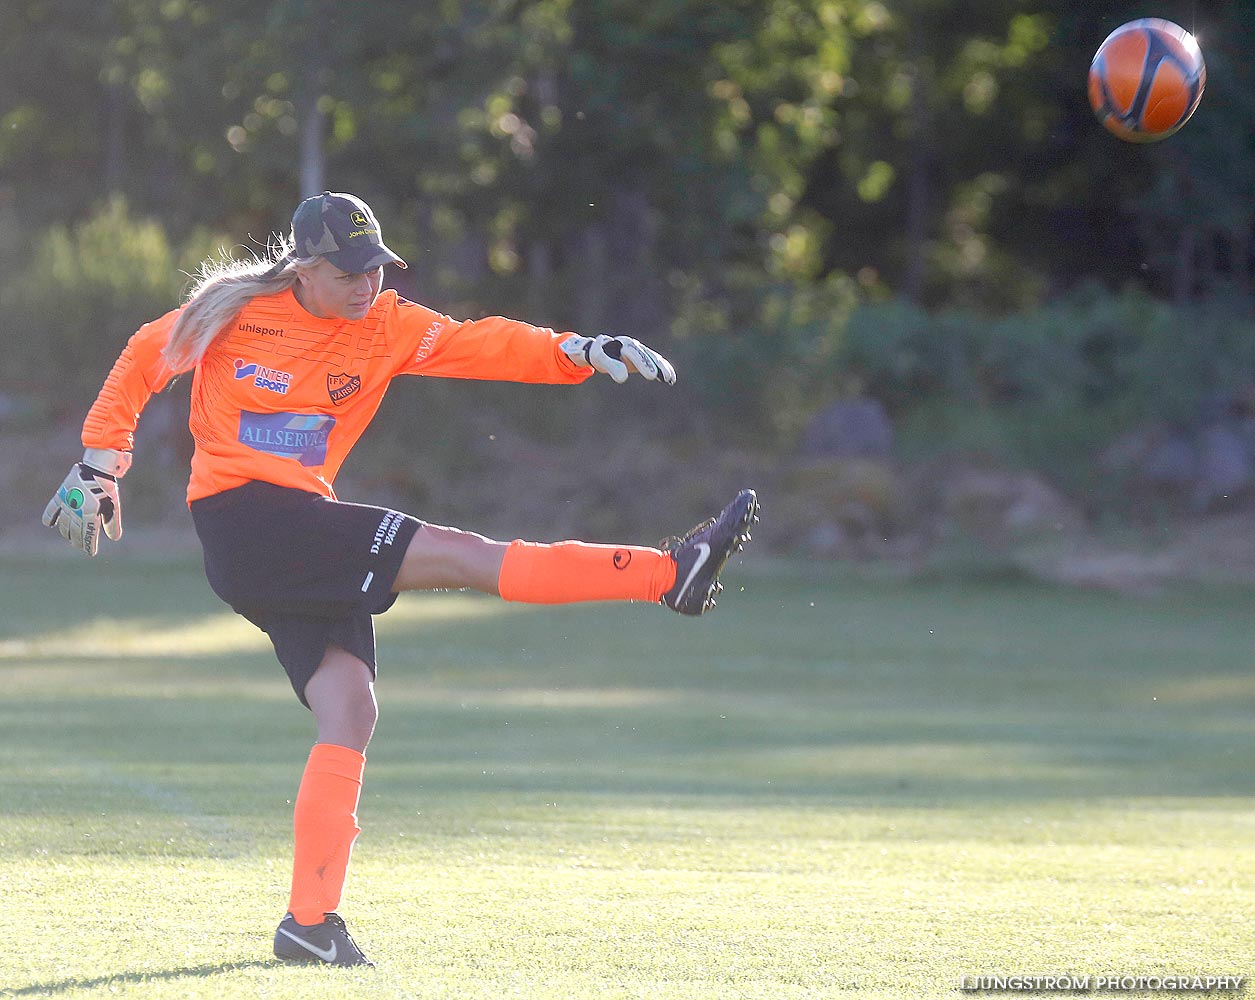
(827, 788)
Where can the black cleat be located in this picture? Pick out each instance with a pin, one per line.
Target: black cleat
(328, 942)
(701, 555)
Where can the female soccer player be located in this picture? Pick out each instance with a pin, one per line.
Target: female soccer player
(291, 356)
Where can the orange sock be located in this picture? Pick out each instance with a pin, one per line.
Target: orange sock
(566, 572)
(325, 824)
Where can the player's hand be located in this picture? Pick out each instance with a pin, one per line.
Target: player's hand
(618, 357)
(89, 500)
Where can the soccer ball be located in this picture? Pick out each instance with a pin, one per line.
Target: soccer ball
(1146, 79)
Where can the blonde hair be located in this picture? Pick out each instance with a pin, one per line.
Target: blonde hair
(223, 286)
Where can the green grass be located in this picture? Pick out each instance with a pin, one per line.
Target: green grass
(827, 788)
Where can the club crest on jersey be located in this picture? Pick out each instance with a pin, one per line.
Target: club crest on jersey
(340, 387)
(269, 379)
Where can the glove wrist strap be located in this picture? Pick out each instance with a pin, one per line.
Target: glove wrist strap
(579, 350)
(107, 460)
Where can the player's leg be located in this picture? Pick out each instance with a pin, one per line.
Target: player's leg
(538, 573)
(440, 558)
(310, 573)
(683, 574)
(341, 695)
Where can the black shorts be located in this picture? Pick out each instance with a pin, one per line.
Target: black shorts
(308, 571)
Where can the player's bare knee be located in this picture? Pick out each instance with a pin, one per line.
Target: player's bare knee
(348, 721)
(441, 558)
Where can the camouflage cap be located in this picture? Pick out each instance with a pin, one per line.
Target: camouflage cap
(342, 228)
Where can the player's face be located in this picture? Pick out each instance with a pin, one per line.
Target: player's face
(326, 291)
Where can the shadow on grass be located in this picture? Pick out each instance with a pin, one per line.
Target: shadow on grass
(194, 972)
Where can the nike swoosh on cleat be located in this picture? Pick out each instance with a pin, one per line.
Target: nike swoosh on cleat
(703, 553)
(326, 954)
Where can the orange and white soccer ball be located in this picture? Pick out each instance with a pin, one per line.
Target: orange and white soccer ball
(1146, 79)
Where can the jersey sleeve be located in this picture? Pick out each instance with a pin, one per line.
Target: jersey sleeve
(140, 371)
(493, 348)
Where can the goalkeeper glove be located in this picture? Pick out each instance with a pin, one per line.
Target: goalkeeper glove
(88, 499)
(618, 357)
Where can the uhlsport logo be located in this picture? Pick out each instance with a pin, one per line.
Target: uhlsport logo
(261, 331)
(269, 379)
(342, 385)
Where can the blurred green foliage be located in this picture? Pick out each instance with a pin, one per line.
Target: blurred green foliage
(1049, 388)
(84, 290)
(798, 199)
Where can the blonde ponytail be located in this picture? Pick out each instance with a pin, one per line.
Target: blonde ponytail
(223, 287)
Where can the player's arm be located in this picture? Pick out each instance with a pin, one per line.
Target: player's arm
(509, 350)
(89, 500)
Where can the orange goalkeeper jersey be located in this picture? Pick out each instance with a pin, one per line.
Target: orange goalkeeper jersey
(282, 396)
